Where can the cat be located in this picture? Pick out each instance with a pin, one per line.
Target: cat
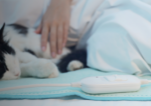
(21, 55)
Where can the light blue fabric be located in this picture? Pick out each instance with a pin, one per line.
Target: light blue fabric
(121, 38)
(53, 92)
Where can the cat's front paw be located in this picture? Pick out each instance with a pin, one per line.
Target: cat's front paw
(75, 65)
(40, 68)
(46, 69)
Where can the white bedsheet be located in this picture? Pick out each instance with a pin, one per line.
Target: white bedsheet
(71, 101)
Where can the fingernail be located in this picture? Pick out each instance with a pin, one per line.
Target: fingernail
(43, 48)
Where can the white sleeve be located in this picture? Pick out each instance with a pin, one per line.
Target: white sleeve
(24, 12)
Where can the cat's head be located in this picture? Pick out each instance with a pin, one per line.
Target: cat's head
(9, 64)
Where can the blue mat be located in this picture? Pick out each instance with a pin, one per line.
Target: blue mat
(144, 94)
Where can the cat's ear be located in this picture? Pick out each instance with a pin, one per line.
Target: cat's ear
(1, 33)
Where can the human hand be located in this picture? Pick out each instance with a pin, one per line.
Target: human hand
(56, 23)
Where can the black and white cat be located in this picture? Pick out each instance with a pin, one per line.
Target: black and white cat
(21, 55)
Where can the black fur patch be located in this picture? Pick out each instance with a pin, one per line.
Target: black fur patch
(72, 48)
(80, 55)
(3, 67)
(21, 29)
(30, 51)
(4, 49)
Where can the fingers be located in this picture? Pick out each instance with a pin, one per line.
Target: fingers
(55, 22)
(45, 32)
(66, 26)
(60, 39)
(53, 35)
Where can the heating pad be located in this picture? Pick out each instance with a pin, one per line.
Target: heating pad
(143, 94)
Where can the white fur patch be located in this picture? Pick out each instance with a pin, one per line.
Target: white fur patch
(40, 68)
(74, 65)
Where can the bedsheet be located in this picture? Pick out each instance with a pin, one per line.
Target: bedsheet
(71, 101)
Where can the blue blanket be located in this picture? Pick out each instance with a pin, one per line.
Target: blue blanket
(143, 94)
(120, 38)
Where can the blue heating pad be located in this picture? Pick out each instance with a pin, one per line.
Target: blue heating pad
(144, 94)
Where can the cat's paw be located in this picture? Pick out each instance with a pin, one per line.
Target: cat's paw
(54, 70)
(40, 68)
(47, 69)
(75, 65)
